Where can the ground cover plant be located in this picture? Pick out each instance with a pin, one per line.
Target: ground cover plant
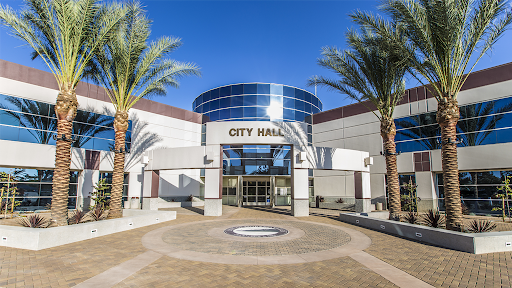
(479, 226)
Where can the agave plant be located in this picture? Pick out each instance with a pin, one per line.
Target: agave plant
(479, 226)
(433, 219)
(411, 217)
(97, 214)
(77, 217)
(34, 221)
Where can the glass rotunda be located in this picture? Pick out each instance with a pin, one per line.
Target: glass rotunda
(257, 174)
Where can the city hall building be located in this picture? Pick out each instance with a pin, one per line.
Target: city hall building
(257, 144)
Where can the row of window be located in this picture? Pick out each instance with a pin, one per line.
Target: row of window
(34, 186)
(259, 114)
(34, 122)
(480, 124)
(256, 89)
(257, 100)
(468, 139)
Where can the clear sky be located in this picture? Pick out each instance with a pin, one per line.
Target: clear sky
(249, 41)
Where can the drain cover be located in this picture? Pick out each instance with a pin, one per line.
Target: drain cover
(256, 231)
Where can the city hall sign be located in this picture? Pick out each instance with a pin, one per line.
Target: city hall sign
(260, 132)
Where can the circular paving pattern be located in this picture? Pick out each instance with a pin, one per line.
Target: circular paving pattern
(256, 231)
(304, 237)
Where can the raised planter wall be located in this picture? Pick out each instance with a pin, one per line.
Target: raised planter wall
(476, 243)
(39, 238)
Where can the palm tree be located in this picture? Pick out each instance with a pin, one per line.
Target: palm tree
(372, 74)
(131, 69)
(443, 35)
(65, 34)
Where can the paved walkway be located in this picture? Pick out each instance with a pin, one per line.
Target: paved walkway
(190, 251)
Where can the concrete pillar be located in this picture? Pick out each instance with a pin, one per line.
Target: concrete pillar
(151, 188)
(213, 192)
(363, 192)
(426, 191)
(300, 195)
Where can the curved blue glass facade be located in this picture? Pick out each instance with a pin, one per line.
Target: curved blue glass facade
(257, 102)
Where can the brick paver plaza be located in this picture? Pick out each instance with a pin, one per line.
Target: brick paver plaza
(193, 251)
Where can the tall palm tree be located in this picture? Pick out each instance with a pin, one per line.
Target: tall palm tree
(443, 36)
(130, 69)
(65, 34)
(372, 74)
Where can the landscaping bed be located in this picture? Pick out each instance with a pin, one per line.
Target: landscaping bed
(476, 243)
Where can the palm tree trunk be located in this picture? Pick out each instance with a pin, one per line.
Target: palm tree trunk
(66, 112)
(388, 132)
(447, 117)
(116, 196)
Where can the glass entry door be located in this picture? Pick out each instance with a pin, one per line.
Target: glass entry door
(256, 192)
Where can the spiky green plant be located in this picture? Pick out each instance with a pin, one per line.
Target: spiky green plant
(130, 69)
(371, 73)
(65, 34)
(34, 221)
(433, 219)
(479, 226)
(443, 36)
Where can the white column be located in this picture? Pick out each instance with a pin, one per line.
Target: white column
(426, 191)
(363, 192)
(300, 192)
(213, 192)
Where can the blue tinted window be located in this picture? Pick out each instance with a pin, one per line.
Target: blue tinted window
(194, 105)
(102, 144)
(263, 88)
(225, 91)
(206, 96)
(288, 114)
(237, 112)
(320, 105)
(224, 114)
(314, 101)
(262, 112)
(308, 97)
(503, 120)
(250, 89)
(307, 108)
(85, 142)
(276, 89)
(504, 136)
(200, 99)
(237, 101)
(299, 105)
(214, 94)
(7, 104)
(225, 102)
(214, 116)
(299, 94)
(263, 100)
(237, 89)
(30, 136)
(199, 109)
(299, 116)
(288, 91)
(107, 134)
(9, 118)
(503, 105)
(288, 102)
(249, 112)
(315, 110)
(128, 137)
(250, 100)
(215, 104)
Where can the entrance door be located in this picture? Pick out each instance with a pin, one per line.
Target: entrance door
(256, 191)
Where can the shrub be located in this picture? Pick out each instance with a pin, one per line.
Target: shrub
(78, 216)
(190, 198)
(97, 214)
(34, 221)
(479, 226)
(411, 217)
(433, 219)
(341, 201)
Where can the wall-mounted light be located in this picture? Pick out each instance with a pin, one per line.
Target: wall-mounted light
(368, 161)
(302, 156)
(144, 160)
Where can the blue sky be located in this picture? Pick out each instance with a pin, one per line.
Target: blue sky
(249, 41)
